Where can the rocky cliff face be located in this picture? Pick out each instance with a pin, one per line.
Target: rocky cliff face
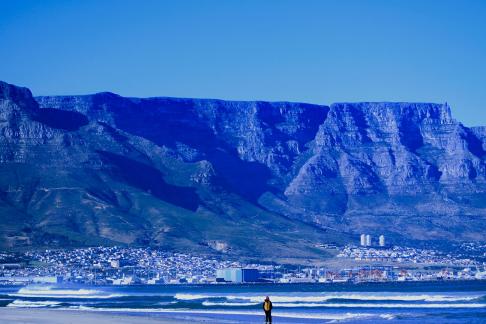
(185, 173)
(380, 165)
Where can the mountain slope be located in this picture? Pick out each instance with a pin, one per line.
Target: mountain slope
(407, 169)
(249, 178)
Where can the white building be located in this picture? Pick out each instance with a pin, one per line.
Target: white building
(363, 240)
(115, 263)
(382, 240)
(368, 240)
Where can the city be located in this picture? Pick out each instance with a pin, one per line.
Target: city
(128, 266)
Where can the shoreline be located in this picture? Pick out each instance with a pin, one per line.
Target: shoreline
(72, 316)
(60, 316)
(230, 284)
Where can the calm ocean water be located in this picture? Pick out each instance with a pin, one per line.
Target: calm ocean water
(427, 302)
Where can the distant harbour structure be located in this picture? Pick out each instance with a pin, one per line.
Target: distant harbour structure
(363, 240)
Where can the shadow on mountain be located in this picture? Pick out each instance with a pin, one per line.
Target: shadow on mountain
(361, 123)
(474, 144)
(62, 119)
(410, 135)
(167, 123)
(247, 179)
(149, 179)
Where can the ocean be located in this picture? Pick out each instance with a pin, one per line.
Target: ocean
(405, 302)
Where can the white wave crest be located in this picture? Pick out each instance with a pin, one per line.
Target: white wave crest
(62, 293)
(32, 304)
(195, 296)
(364, 297)
(166, 303)
(207, 303)
(351, 305)
(326, 297)
(394, 305)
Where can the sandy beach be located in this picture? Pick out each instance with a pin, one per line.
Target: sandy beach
(51, 316)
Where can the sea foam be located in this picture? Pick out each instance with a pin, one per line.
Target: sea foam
(47, 292)
(327, 297)
(32, 304)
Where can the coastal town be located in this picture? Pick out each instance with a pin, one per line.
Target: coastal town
(127, 266)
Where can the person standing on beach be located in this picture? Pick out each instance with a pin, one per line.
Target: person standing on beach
(267, 308)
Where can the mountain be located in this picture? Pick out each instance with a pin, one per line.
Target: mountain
(261, 179)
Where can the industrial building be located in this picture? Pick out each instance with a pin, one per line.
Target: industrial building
(237, 275)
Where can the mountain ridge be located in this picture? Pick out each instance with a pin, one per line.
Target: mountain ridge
(299, 174)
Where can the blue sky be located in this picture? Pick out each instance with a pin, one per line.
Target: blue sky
(311, 51)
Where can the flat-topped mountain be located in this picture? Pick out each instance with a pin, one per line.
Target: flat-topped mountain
(251, 178)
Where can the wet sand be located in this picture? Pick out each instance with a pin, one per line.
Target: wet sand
(52, 316)
(68, 316)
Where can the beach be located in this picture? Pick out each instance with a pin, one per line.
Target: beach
(67, 316)
(53, 316)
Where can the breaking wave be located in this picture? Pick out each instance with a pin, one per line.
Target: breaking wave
(224, 304)
(333, 297)
(383, 305)
(234, 302)
(32, 304)
(61, 293)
